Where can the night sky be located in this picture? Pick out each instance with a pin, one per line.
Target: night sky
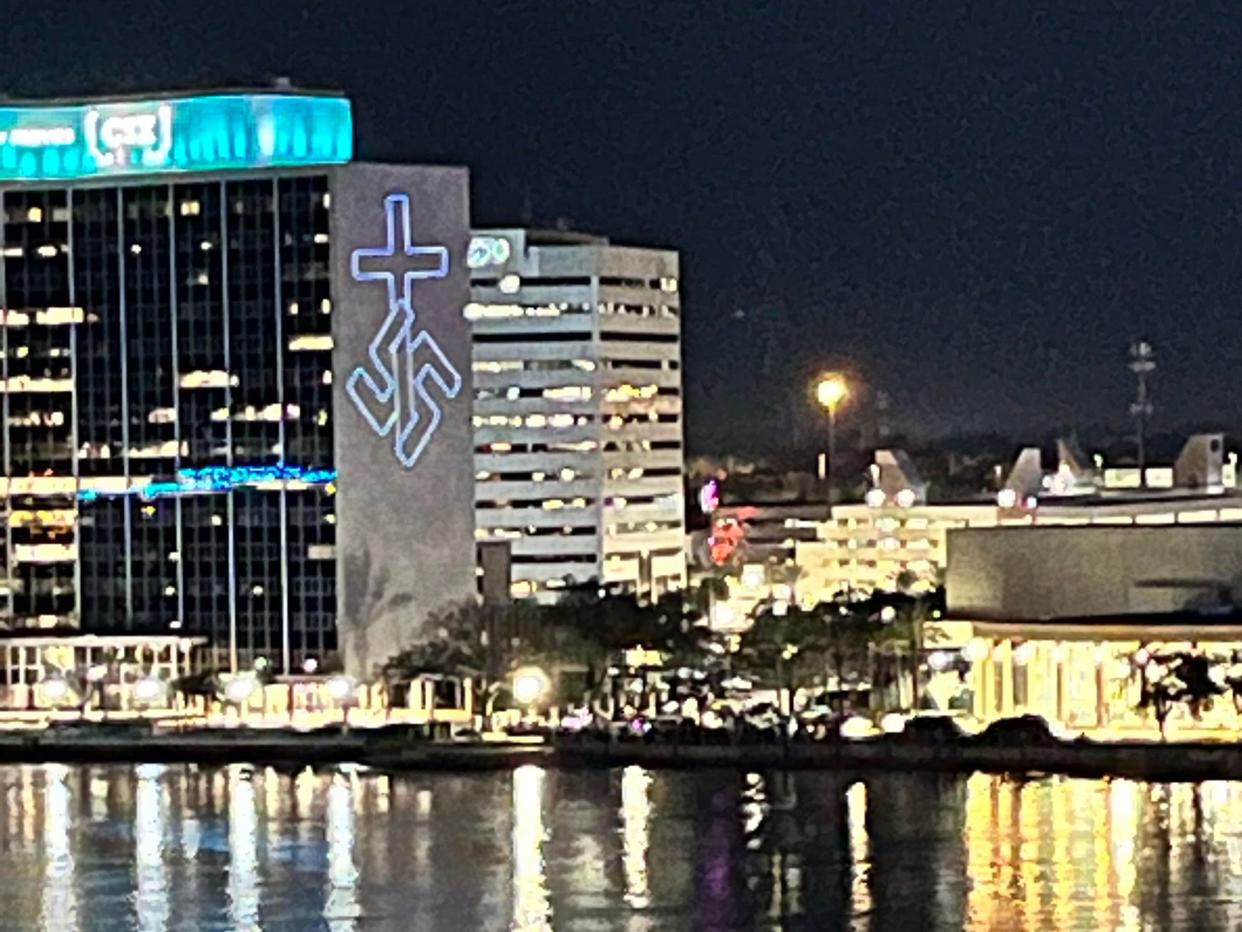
(973, 206)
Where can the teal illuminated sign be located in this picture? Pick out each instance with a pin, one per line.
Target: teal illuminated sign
(191, 134)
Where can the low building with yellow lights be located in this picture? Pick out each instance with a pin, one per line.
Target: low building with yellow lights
(1057, 621)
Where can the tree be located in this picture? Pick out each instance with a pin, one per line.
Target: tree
(846, 638)
(588, 630)
(1186, 677)
(798, 644)
(903, 629)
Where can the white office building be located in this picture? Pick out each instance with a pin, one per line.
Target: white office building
(578, 410)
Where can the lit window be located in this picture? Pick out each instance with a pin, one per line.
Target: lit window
(311, 341)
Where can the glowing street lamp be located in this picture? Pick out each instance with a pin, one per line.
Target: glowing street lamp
(529, 685)
(830, 390)
(148, 690)
(340, 688)
(239, 689)
(343, 690)
(55, 688)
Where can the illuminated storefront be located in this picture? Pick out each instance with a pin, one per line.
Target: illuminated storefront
(1085, 674)
(1065, 622)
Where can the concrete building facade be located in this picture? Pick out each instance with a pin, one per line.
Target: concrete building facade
(578, 409)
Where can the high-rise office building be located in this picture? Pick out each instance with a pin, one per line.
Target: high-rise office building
(578, 409)
(219, 415)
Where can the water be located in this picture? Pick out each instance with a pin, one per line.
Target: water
(152, 847)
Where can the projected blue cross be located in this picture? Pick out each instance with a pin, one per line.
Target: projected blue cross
(397, 354)
(399, 257)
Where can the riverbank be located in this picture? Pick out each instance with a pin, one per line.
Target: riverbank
(396, 747)
(1134, 760)
(406, 749)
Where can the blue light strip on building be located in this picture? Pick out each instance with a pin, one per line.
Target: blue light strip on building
(219, 479)
(210, 133)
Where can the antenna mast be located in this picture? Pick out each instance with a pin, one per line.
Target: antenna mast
(1142, 364)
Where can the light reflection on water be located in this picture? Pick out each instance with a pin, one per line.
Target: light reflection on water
(183, 848)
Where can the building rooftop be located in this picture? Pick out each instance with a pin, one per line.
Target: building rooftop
(279, 88)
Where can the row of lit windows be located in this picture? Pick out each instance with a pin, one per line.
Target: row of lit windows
(506, 533)
(645, 527)
(512, 283)
(477, 311)
(578, 446)
(480, 311)
(566, 393)
(547, 504)
(636, 501)
(532, 365)
(537, 421)
(638, 310)
(640, 472)
(567, 474)
(619, 421)
(882, 543)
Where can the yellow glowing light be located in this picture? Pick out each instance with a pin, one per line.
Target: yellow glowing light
(54, 688)
(529, 683)
(241, 688)
(831, 390)
(148, 689)
(341, 688)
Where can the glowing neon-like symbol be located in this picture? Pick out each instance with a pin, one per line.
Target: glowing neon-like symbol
(109, 139)
(396, 349)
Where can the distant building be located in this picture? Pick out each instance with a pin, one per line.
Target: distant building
(896, 537)
(753, 549)
(578, 409)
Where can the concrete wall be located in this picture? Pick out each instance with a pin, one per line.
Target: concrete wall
(405, 529)
(1048, 572)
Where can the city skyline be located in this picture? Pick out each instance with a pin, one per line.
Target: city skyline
(1005, 194)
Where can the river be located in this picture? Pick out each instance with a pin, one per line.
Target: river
(178, 847)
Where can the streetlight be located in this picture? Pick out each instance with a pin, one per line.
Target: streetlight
(830, 390)
(529, 685)
(55, 688)
(342, 688)
(149, 689)
(239, 689)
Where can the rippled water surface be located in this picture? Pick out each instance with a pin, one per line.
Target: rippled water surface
(153, 847)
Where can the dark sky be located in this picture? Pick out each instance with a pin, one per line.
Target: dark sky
(973, 205)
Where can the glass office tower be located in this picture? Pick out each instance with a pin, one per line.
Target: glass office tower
(167, 359)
